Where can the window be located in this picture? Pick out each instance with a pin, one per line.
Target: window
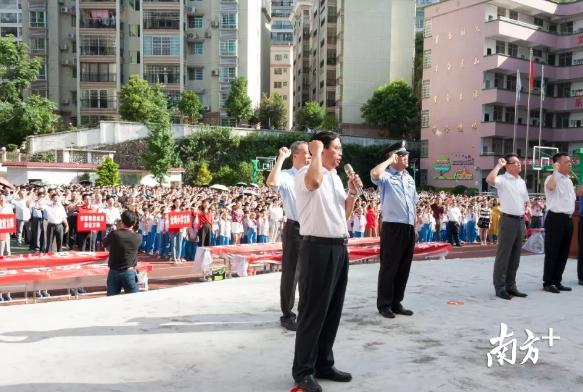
(38, 45)
(427, 59)
(135, 57)
(37, 19)
(278, 71)
(538, 21)
(511, 82)
(228, 21)
(425, 92)
(278, 57)
(277, 85)
(163, 74)
(9, 17)
(498, 80)
(102, 99)
(501, 12)
(162, 45)
(198, 48)
(229, 47)
(226, 74)
(197, 22)
(500, 47)
(424, 149)
(42, 74)
(565, 59)
(134, 30)
(427, 29)
(497, 113)
(512, 50)
(195, 73)
(98, 72)
(537, 53)
(161, 20)
(566, 28)
(424, 118)
(96, 45)
(513, 15)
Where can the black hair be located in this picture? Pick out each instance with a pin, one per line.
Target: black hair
(326, 137)
(510, 155)
(558, 156)
(129, 218)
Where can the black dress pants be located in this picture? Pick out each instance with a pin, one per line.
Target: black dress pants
(290, 243)
(580, 257)
(323, 275)
(204, 235)
(558, 232)
(397, 246)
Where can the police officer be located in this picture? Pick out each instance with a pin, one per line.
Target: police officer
(398, 198)
(283, 181)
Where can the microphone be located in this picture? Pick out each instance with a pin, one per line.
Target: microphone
(359, 191)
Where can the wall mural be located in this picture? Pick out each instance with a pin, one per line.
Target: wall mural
(457, 166)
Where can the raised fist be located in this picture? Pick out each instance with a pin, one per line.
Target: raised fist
(502, 162)
(284, 152)
(316, 147)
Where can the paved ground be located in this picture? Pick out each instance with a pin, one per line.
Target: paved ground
(224, 336)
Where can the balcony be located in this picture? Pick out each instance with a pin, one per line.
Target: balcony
(168, 78)
(98, 23)
(98, 77)
(97, 51)
(506, 130)
(502, 61)
(507, 98)
(97, 103)
(161, 24)
(331, 61)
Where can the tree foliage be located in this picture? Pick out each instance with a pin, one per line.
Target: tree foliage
(203, 176)
(20, 117)
(310, 116)
(161, 153)
(272, 112)
(238, 103)
(190, 106)
(330, 122)
(140, 102)
(108, 173)
(393, 106)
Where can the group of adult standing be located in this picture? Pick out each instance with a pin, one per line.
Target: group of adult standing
(314, 242)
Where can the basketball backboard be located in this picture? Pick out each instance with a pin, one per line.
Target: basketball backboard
(542, 157)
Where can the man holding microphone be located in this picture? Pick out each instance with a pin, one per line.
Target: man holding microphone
(323, 209)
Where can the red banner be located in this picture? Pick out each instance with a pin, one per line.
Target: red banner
(7, 223)
(33, 260)
(90, 221)
(179, 219)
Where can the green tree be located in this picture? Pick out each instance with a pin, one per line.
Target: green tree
(393, 106)
(330, 122)
(161, 152)
(224, 175)
(21, 117)
(238, 103)
(140, 102)
(108, 173)
(190, 106)
(204, 176)
(272, 112)
(310, 116)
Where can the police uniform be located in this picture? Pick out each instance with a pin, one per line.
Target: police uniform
(398, 199)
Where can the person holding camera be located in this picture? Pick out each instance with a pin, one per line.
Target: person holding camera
(123, 245)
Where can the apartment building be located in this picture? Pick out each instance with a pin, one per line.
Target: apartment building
(420, 13)
(91, 47)
(376, 45)
(300, 18)
(471, 57)
(281, 54)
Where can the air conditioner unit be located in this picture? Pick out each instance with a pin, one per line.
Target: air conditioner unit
(65, 102)
(206, 108)
(64, 10)
(64, 47)
(215, 24)
(66, 62)
(207, 34)
(214, 72)
(190, 35)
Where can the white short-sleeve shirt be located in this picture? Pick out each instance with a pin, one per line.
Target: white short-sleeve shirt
(512, 194)
(562, 198)
(321, 212)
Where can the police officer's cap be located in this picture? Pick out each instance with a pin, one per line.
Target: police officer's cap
(398, 148)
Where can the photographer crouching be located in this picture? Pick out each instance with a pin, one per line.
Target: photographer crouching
(123, 245)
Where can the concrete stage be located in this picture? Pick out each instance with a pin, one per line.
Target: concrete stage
(225, 336)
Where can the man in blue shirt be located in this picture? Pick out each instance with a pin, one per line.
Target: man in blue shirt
(283, 181)
(398, 199)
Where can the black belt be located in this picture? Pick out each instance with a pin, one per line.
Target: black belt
(292, 222)
(559, 213)
(326, 240)
(513, 216)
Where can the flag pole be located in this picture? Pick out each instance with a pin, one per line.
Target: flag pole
(530, 83)
(540, 118)
(516, 111)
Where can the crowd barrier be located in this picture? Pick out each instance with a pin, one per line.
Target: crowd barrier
(240, 259)
(62, 270)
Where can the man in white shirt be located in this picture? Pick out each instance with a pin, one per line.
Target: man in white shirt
(57, 224)
(513, 196)
(275, 218)
(22, 210)
(560, 200)
(283, 181)
(323, 208)
(454, 219)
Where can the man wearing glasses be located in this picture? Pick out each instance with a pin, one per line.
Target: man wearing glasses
(513, 196)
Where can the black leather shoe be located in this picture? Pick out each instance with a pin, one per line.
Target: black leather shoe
(308, 384)
(334, 374)
(387, 313)
(563, 288)
(551, 289)
(399, 309)
(517, 293)
(290, 324)
(503, 294)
